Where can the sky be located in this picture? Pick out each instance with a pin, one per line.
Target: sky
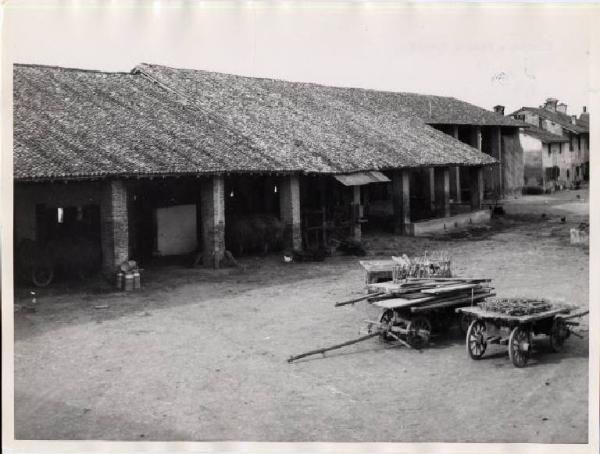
(515, 56)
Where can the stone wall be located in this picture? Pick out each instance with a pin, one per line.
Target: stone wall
(512, 165)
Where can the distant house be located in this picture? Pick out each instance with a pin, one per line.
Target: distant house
(546, 160)
(569, 157)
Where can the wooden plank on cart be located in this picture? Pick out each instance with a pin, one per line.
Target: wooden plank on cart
(450, 288)
(447, 303)
(395, 303)
(377, 265)
(472, 280)
(391, 287)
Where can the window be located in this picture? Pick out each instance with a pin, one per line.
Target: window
(579, 142)
(60, 215)
(567, 173)
(549, 149)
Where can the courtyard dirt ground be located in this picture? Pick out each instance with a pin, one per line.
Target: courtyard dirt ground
(201, 355)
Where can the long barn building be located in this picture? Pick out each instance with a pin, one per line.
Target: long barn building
(164, 161)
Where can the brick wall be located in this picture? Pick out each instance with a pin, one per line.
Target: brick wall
(512, 165)
(212, 214)
(114, 225)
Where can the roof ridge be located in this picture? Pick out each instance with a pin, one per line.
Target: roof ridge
(68, 68)
(319, 84)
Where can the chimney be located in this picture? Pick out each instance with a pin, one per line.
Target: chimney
(551, 104)
(562, 108)
(574, 119)
(585, 115)
(499, 109)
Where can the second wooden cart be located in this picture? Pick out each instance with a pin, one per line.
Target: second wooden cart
(516, 331)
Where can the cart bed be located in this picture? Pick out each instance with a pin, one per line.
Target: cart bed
(479, 313)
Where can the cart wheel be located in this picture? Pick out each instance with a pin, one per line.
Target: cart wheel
(519, 344)
(559, 334)
(42, 275)
(386, 320)
(476, 339)
(463, 322)
(418, 332)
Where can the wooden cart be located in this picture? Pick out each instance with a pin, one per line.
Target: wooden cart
(412, 309)
(414, 316)
(516, 331)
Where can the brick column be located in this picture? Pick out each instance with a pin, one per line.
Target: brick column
(455, 191)
(476, 178)
(114, 225)
(442, 190)
(212, 215)
(289, 208)
(401, 201)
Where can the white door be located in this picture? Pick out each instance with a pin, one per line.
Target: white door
(176, 230)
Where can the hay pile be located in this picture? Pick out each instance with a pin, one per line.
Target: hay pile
(257, 233)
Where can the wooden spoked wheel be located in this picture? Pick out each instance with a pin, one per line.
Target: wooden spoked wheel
(387, 319)
(42, 275)
(519, 346)
(476, 339)
(559, 334)
(463, 322)
(418, 332)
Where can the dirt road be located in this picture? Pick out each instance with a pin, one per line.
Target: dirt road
(200, 355)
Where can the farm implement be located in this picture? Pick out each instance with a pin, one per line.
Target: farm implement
(419, 300)
(414, 309)
(514, 322)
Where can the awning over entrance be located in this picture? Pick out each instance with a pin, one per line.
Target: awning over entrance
(360, 178)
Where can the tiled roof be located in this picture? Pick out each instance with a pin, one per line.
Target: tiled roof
(559, 118)
(75, 124)
(544, 136)
(446, 110)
